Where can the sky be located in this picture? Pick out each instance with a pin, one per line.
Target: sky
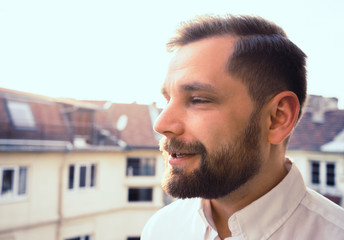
(115, 50)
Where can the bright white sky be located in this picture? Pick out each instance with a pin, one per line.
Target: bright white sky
(115, 50)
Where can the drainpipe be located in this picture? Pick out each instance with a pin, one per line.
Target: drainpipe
(60, 195)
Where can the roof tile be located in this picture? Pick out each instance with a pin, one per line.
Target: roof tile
(309, 135)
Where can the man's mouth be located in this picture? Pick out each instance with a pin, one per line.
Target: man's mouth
(178, 152)
(180, 155)
(180, 158)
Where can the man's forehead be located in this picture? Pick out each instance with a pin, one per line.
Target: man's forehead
(206, 49)
(202, 58)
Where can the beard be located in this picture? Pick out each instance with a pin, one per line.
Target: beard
(221, 171)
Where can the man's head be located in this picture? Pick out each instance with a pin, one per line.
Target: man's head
(263, 57)
(229, 99)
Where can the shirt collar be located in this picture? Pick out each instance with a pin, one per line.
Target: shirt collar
(264, 216)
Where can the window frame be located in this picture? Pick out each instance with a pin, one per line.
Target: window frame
(31, 125)
(331, 175)
(150, 192)
(17, 179)
(326, 176)
(90, 177)
(318, 174)
(81, 237)
(144, 169)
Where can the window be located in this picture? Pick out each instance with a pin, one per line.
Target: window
(315, 172)
(12, 182)
(81, 176)
(330, 174)
(323, 173)
(86, 237)
(140, 194)
(21, 115)
(133, 238)
(141, 166)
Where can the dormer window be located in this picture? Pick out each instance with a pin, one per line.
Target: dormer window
(21, 115)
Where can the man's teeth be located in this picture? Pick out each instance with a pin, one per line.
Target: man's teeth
(179, 155)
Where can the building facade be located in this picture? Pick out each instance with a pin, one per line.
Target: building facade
(73, 170)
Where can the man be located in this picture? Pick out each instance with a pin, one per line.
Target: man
(235, 89)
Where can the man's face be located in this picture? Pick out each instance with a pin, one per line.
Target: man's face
(211, 132)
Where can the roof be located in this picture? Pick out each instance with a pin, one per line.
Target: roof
(312, 135)
(31, 97)
(337, 145)
(82, 124)
(133, 122)
(9, 94)
(48, 121)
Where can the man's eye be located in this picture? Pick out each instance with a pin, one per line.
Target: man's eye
(167, 100)
(198, 100)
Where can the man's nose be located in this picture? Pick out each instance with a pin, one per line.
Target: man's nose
(170, 121)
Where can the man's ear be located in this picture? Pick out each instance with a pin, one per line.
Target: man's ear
(284, 110)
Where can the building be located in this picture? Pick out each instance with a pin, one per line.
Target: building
(73, 170)
(317, 147)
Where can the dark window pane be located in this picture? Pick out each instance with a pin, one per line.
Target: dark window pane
(330, 174)
(71, 177)
(133, 238)
(140, 194)
(7, 181)
(315, 172)
(133, 166)
(93, 175)
(82, 179)
(148, 167)
(22, 181)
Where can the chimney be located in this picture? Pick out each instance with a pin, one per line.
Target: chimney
(319, 105)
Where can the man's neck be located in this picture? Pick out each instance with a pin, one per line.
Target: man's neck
(223, 208)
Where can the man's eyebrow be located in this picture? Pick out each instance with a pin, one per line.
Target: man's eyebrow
(197, 86)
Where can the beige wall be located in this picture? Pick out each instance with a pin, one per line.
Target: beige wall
(40, 203)
(113, 225)
(112, 184)
(52, 211)
(302, 160)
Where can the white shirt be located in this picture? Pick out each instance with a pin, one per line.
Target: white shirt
(289, 211)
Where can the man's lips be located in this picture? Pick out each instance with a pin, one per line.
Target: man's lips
(178, 158)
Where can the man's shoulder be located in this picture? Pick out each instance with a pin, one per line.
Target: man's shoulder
(171, 220)
(179, 208)
(322, 207)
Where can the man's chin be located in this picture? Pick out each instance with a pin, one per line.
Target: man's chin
(179, 184)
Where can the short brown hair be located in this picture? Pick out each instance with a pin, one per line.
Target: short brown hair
(263, 56)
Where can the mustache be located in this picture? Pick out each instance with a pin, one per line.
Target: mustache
(179, 146)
